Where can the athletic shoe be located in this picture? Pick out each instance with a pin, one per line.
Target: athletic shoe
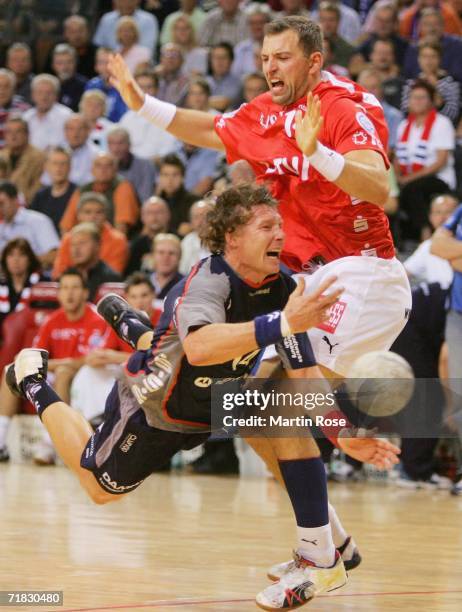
(435, 481)
(301, 584)
(30, 365)
(4, 456)
(457, 488)
(113, 308)
(44, 454)
(348, 551)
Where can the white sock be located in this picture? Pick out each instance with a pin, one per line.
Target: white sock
(339, 534)
(316, 544)
(4, 426)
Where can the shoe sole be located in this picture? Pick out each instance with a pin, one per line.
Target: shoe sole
(142, 316)
(294, 607)
(351, 564)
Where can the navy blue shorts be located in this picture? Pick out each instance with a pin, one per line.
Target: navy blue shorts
(125, 450)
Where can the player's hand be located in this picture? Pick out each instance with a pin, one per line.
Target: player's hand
(122, 79)
(377, 451)
(306, 311)
(308, 126)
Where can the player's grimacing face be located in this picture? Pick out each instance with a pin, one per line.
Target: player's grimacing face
(286, 68)
(259, 243)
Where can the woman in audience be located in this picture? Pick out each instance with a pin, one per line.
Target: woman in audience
(20, 269)
(225, 86)
(447, 99)
(93, 107)
(424, 158)
(128, 35)
(195, 57)
(198, 96)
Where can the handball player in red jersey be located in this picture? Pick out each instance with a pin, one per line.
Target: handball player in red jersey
(320, 142)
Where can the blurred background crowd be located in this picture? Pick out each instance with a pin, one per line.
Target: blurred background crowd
(90, 189)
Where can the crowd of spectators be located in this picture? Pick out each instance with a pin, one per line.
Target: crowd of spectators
(91, 186)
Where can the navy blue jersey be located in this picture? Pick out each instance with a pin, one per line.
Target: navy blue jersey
(176, 395)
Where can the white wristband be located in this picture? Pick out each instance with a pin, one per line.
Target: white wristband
(158, 112)
(285, 327)
(327, 162)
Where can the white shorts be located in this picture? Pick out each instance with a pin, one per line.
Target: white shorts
(370, 314)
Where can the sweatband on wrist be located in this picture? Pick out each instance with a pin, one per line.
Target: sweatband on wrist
(268, 329)
(157, 112)
(332, 431)
(327, 162)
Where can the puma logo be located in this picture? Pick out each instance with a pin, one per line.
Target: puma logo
(331, 346)
(314, 542)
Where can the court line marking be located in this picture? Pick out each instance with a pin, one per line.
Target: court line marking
(172, 603)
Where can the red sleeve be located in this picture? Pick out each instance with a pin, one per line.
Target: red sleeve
(42, 339)
(112, 341)
(232, 129)
(353, 127)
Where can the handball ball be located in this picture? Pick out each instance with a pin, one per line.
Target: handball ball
(380, 383)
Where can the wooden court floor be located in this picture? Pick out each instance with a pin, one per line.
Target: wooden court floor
(202, 544)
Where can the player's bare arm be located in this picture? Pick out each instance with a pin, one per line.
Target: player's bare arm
(193, 127)
(364, 175)
(220, 342)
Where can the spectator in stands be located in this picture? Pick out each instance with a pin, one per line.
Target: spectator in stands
(170, 187)
(128, 46)
(328, 47)
(383, 61)
(82, 151)
(46, 120)
(195, 58)
(432, 26)
(140, 172)
(385, 28)
(410, 18)
(329, 20)
(123, 202)
(10, 103)
(192, 250)
(77, 34)
(93, 108)
(240, 172)
(201, 168)
(424, 157)
(93, 208)
(198, 97)
(105, 35)
(19, 61)
(166, 254)
(226, 23)
(254, 84)
(18, 222)
(19, 270)
(258, 15)
(148, 141)
(68, 334)
(447, 89)
(224, 85)
(447, 244)
(422, 265)
(173, 82)
(24, 163)
(189, 8)
(53, 199)
(370, 80)
(350, 25)
(294, 8)
(155, 219)
(116, 107)
(85, 247)
(72, 84)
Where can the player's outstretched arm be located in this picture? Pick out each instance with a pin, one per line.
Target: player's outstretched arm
(361, 174)
(221, 342)
(195, 127)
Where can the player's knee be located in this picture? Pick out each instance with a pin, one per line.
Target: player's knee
(100, 497)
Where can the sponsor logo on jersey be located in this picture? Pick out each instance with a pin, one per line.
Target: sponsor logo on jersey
(298, 165)
(260, 292)
(329, 344)
(128, 443)
(203, 382)
(360, 225)
(369, 252)
(335, 316)
(359, 138)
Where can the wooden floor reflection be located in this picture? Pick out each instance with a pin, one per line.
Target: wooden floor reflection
(202, 544)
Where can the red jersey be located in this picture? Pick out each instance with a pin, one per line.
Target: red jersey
(319, 218)
(71, 339)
